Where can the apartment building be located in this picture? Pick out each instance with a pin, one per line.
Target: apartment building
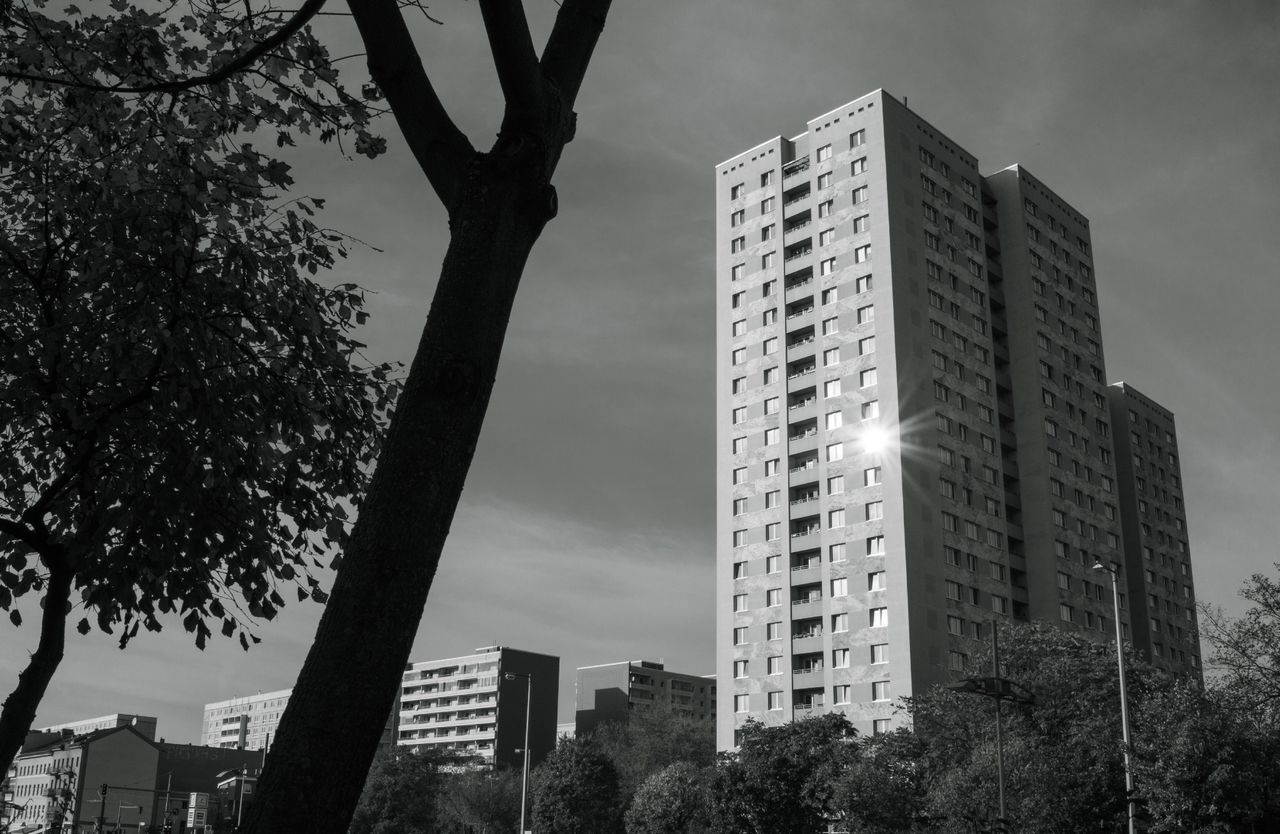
(144, 724)
(475, 706)
(1154, 519)
(914, 438)
(610, 692)
(249, 722)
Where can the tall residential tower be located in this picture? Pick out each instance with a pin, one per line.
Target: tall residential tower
(914, 434)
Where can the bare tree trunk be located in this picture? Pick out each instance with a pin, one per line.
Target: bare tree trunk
(19, 710)
(329, 733)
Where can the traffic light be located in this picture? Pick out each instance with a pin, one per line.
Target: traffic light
(102, 791)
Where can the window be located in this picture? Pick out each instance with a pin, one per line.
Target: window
(862, 254)
(875, 580)
(836, 553)
(770, 317)
(875, 545)
(839, 622)
(766, 179)
(870, 409)
(739, 445)
(824, 153)
(835, 485)
(857, 138)
(830, 295)
(840, 692)
(739, 385)
(956, 661)
(954, 590)
(740, 636)
(773, 665)
(826, 237)
(955, 625)
(739, 356)
(740, 327)
(768, 288)
(867, 345)
(1065, 612)
(771, 436)
(840, 658)
(775, 700)
(999, 604)
(771, 467)
(862, 224)
(827, 266)
(766, 206)
(863, 284)
(736, 192)
(770, 346)
(740, 703)
(773, 564)
(860, 195)
(773, 631)
(773, 597)
(830, 356)
(871, 476)
(875, 510)
(771, 405)
(739, 415)
(739, 538)
(738, 298)
(737, 244)
(737, 271)
(825, 208)
(773, 531)
(739, 668)
(879, 690)
(740, 475)
(835, 420)
(878, 617)
(737, 217)
(831, 388)
(840, 587)
(835, 518)
(859, 166)
(770, 376)
(866, 314)
(824, 180)
(835, 452)
(739, 602)
(771, 498)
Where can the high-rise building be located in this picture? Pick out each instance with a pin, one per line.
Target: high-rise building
(610, 692)
(245, 723)
(475, 706)
(914, 439)
(1154, 519)
(249, 722)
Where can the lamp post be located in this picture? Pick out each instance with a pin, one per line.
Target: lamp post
(524, 777)
(998, 689)
(1124, 700)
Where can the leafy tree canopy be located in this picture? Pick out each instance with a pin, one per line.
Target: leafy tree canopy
(403, 794)
(575, 791)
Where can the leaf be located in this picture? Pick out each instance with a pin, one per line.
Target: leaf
(15, 617)
(83, 626)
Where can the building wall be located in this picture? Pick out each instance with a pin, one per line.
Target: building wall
(126, 763)
(611, 691)
(246, 722)
(144, 724)
(465, 705)
(1162, 599)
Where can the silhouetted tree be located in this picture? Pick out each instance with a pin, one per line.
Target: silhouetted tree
(575, 791)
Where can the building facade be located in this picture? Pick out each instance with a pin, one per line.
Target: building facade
(609, 692)
(475, 706)
(249, 722)
(144, 724)
(914, 438)
(1154, 519)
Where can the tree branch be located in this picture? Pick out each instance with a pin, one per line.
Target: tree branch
(513, 54)
(22, 533)
(396, 67)
(573, 38)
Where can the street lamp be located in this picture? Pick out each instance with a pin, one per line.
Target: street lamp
(1124, 700)
(524, 778)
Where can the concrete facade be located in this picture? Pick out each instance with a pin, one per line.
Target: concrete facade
(468, 707)
(1158, 570)
(144, 724)
(913, 433)
(610, 692)
(249, 722)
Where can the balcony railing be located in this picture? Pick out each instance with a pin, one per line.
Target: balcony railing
(798, 313)
(791, 256)
(807, 566)
(809, 464)
(798, 342)
(799, 282)
(802, 372)
(795, 166)
(804, 499)
(802, 403)
(789, 229)
(807, 600)
(801, 435)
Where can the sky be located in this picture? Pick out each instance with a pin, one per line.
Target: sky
(586, 527)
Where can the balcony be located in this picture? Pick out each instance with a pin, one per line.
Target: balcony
(799, 369)
(799, 309)
(802, 463)
(794, 252)
(811, 642)
(802, 403)
(795, 166)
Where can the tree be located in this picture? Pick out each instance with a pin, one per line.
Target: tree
(1247, 650)
(575, 791)
(781, 778)
(185, 416)
(882, 788)
(482, 802)
(650, 740)
(402, 794)
(672, 800)
(498, 201)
